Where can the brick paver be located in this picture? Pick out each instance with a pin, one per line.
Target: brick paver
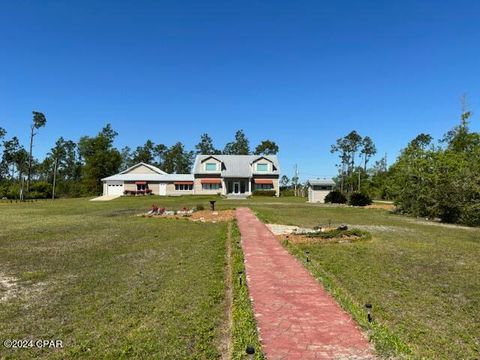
(296, 317)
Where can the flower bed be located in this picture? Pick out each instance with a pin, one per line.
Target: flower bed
(138, 192)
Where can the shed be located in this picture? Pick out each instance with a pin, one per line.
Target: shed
(318, 189)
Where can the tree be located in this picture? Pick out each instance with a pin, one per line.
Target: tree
(127, 157)
(341, 147)
(63, 160)
(205, 146)
(368, 149)
(238, 147)
(284, 181)
(178, 160)
(145, 153)
(100, 158)
(39, 120)
(11, 149)
(295, 183)
(266, 147)
(159, 153)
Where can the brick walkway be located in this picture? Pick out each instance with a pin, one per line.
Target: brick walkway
(296, 318)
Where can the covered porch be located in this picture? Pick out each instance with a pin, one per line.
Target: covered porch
(237, 186)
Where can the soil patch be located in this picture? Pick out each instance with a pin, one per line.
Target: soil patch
(383, 206)
(309, 239)
(213, 216)
(201, 216)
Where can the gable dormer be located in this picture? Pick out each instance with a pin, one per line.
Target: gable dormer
(263, 165)
(211, 164)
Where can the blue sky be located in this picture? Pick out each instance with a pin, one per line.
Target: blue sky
(301, 73)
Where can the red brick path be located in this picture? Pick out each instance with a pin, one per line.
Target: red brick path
(296, 317)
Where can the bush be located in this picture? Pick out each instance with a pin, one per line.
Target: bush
(471, 215)
(287, 192)
(359, 199)
(200, 207)
(40, 190)
(335, 197)
(264, 193)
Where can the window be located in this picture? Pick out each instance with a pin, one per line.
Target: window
(183, 187)
(262, 167)
(210, 166)
(211, 186)
(263, 186)
(142, 187)
(322, 187)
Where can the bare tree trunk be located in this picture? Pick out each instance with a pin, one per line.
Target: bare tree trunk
(359, 179)
(22, 184)
(54, 179)
(32, 134)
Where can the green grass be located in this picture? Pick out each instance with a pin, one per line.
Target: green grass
(422, 278)
(244, 330)
(109, 284)
(112, 285)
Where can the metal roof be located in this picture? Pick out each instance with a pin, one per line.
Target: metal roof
(150, 177)
(236, 165)
(151, 167)
(322, 182)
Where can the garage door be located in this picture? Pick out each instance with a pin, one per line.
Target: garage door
(115, 189)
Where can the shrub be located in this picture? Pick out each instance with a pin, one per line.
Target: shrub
(264, 193)
(287, 192)
(40, 190)
(200, 207)
(471, 215)
(335, 197)
(359, 199)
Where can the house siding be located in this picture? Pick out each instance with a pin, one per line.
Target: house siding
(197, 185)
(142, 169)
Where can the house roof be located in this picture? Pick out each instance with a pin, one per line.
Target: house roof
(322, 182)
(159, 175)
(151, 167)
(236, 165)
(150, 177)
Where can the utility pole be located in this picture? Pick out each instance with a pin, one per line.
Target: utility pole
(296, 179)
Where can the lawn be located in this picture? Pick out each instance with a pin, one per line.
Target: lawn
(109, 284)
(422, 278)
(112, 285)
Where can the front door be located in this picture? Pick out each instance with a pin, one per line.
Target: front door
(236, 188)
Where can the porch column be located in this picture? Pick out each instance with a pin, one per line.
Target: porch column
(249, 186)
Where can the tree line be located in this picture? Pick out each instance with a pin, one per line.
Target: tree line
(74, 168)
(433, 179)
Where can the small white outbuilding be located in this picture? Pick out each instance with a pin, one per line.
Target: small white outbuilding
(318, 189)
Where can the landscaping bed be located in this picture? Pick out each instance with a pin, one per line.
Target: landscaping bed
(327, 236)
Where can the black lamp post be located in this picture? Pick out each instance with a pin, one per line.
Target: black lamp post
(250, 351)
(240, 273)
(369, 312)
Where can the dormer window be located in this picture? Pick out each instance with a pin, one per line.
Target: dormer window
(211, 166)
(262, 167)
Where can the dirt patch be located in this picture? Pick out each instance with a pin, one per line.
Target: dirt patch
(383, 206)
(8, 287)
(308, 239)
(201, 216)
(213, 216)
